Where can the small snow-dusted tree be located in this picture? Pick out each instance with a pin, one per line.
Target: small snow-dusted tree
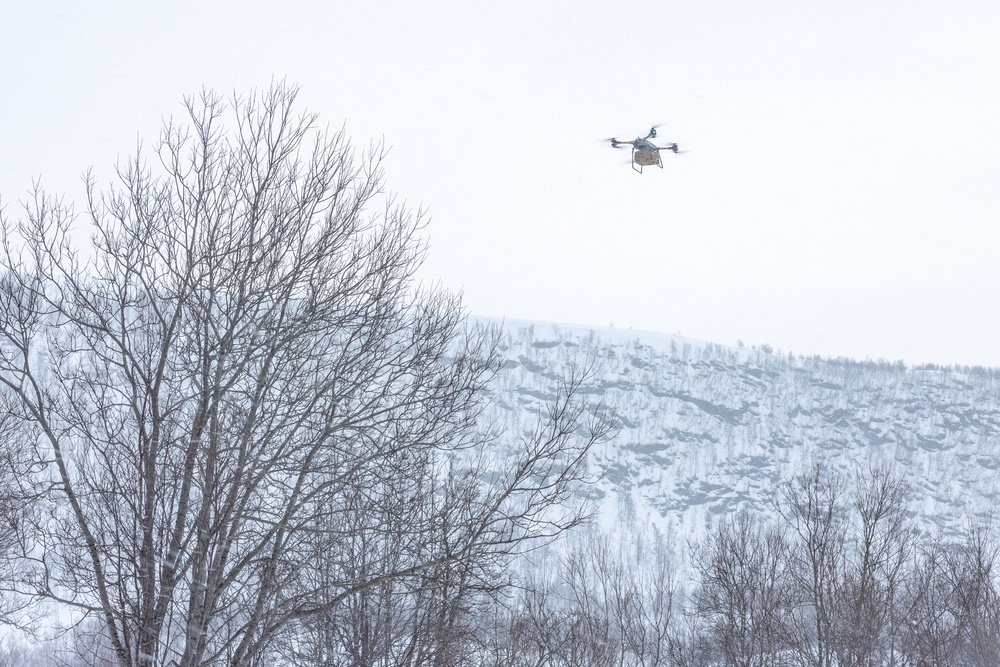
(234, 375)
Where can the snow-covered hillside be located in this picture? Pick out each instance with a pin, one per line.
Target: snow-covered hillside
(707, 430)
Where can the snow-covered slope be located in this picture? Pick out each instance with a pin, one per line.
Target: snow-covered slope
(707, 430)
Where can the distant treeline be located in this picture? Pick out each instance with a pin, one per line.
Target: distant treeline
(843, 579)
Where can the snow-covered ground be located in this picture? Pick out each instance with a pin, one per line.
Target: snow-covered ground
(708, 430)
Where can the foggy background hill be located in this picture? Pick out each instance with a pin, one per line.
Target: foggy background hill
(708, 430)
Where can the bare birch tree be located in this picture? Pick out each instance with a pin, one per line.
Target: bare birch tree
(978, 596)
(813, 507)
(238, 368)
(867, 614)
(745, 598)
(604, 604)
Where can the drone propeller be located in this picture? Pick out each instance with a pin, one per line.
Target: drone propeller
(614, 142)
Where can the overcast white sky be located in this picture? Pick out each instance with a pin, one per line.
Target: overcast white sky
(841, 196)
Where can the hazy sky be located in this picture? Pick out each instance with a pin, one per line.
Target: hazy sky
(841, 195)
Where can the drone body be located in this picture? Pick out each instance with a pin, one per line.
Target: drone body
(644, 152)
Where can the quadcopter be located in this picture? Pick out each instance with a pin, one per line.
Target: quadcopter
(644, 152)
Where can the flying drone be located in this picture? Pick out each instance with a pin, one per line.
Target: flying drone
(644, 152)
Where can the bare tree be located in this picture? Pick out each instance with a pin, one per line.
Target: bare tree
(745, 599)
(970, 573)
(237, 368)
(602, 605)
(952, 604)
(867, 615)
(18, 514)
(930, 637)
(812, 506)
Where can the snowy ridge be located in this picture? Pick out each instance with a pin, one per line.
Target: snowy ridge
(708, 430)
